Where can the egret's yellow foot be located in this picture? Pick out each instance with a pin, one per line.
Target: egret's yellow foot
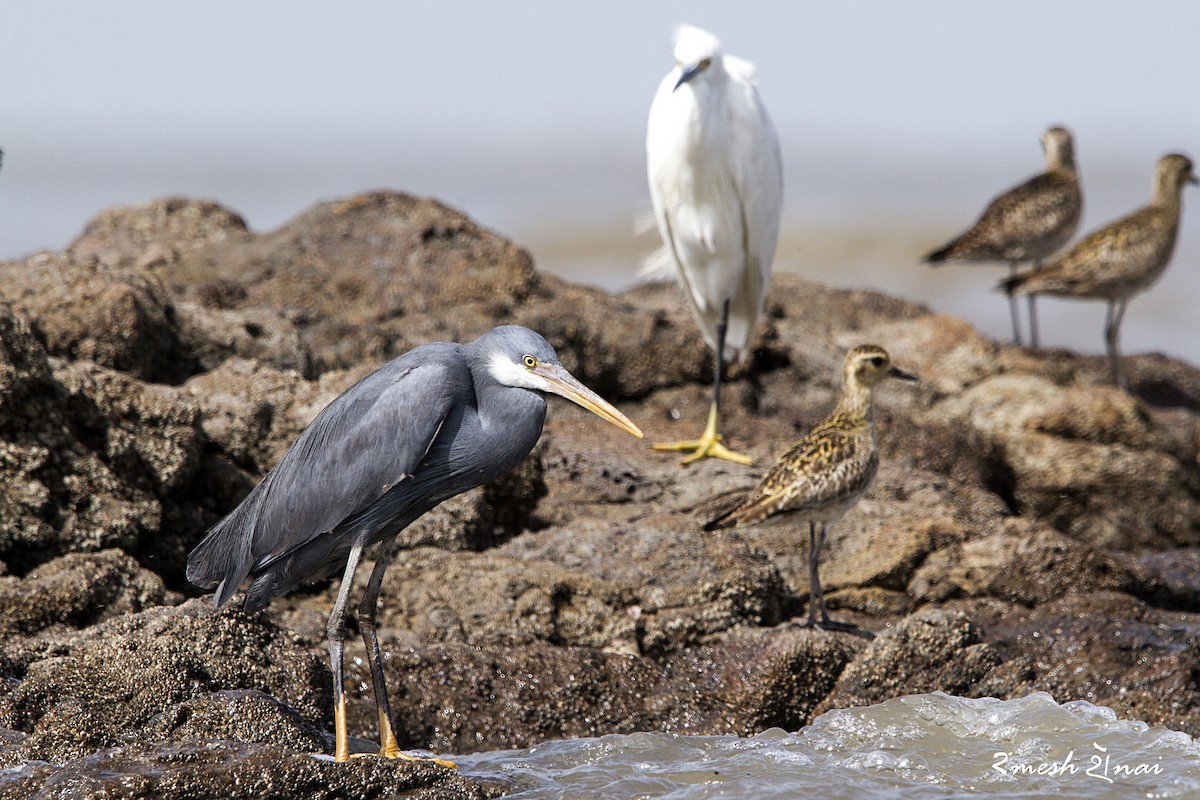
(709, 445)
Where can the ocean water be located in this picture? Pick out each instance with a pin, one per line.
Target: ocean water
(898, 123)
(918, 746)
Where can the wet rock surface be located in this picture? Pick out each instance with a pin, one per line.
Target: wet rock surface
(1031, 527)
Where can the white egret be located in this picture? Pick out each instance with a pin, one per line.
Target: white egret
(716, 184)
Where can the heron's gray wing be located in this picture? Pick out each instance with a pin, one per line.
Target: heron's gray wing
(355, 451)
(371, 437)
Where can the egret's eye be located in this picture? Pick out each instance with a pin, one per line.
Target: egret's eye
(530, 362)
(705, 64)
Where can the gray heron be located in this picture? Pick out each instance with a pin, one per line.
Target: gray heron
(439, 420)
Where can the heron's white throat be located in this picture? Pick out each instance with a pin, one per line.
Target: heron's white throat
(513, 373)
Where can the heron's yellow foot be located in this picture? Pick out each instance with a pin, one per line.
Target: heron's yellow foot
(396, 752)
(390, 748)
(341, 747)
(709, 445)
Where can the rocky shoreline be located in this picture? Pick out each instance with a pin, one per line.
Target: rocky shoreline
(1032, 528)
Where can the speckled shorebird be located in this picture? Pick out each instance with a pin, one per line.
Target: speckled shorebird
(1027, 223)
(1120, 259)
(826, 472)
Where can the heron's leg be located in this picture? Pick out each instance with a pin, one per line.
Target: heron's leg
(368, 616)
(1033, 326)
(1112, 329)
(710, 445)
(1012, 307)
(336, 629)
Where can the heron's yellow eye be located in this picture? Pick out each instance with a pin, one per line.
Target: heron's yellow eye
(530, 362)
(705, 64)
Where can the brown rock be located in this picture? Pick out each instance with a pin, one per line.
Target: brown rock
(928, 651)
(239, 715)
(239, 772)
(1019, 505)
(78, 590)
(83, 308)
(1023, 564)
(132, 667)
(1085, 460)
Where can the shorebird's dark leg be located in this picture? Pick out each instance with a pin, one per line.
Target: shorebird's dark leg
(1112, 329)
(818, 615)
(1033, 326)
(1012, 307)
(336, 628)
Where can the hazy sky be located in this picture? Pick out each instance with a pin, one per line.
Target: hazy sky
(899, 119)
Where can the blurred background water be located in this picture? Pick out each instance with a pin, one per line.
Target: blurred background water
(899, 121)
(917, 747)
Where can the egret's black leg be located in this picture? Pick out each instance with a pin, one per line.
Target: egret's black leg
(336, 629)
(1112, 329)
(719, 366)
(709, 444)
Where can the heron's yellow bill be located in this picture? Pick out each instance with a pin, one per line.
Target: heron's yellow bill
(564, 384)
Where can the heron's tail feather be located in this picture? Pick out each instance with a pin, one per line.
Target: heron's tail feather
(222, 560)
(225, 557)
(317, 558)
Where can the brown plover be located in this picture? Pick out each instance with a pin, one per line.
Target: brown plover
(1119, 260)
(1027, 223)
(824, 474)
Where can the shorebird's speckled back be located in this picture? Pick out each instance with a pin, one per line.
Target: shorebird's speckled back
(1124, 257)
(1119, 260)
(826, 472)
(1029, 221)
